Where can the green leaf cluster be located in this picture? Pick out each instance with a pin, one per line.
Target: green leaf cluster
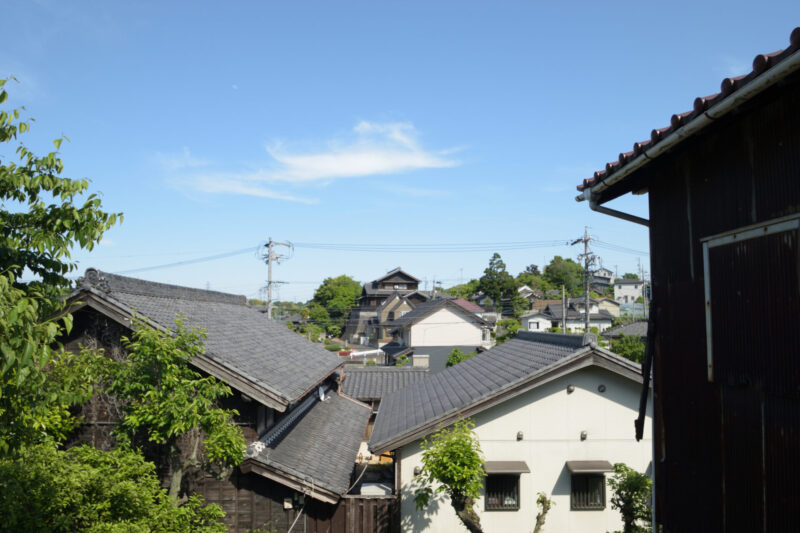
(452, 463)
(336, 297)
(632, 498)
(43, 215)
(164, 397)
(83, 489)
(630, 347)
(39, 381)
(457, 356)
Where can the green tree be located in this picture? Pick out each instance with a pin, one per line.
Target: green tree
(337, 296)
(630, 347)
(39, 381)
(565, 272)
(41, 215)
(318, 315)
(41, 221)
(630, 275)
(166, 402)
(507, 329)
(501, 287)
(465, 290)
(544, 504)
(401, 360)
(457, 356)
(632, 498)
(85, 489)
(452, 463)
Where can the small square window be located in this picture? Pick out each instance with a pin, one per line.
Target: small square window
(588, 492)
(502, 492)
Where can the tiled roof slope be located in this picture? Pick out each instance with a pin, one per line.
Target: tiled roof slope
(324, 444)
(240, 337)
(373, 383)
(632, 329)
(729, 89)
(470, 381)
(425, 308)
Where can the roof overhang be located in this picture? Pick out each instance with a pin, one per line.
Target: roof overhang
(293, 482)
(506, 467)
(584, 358)
(589, 467)
(616, 179)
(125, 316)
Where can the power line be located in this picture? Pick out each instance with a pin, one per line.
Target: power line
(188, 261)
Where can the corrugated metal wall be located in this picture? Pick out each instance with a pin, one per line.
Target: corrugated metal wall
(728, 451)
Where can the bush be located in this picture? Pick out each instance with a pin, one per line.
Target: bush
(85, 489)
(333, 347)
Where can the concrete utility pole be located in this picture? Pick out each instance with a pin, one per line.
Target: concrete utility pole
(563, 310)
(588, 260)
(270, 258)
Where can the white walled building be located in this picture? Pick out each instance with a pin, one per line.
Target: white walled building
(552, 413)
(628, 290)
(441, 323)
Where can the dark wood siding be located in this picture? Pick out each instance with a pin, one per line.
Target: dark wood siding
(723, 458)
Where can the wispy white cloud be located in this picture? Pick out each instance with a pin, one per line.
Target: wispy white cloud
(242, 184)
(375, 149)
(180, 161)
(370, 149)
(730, 66)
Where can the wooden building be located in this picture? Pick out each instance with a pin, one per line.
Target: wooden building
(724, 194)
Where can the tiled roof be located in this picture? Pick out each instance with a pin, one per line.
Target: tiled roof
(621, 281)
(631, 329)
(239, 337)
(397, 270)
(438, 355)
(469, 382)
(373, 383)
(557, 313)
(425, 308)
(321, 447)
(469, 306)
(730, 89)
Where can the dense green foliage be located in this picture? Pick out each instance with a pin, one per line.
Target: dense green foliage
(465, 290)
(630, 275)
(497, 283)
(457, 356)
(452, 463)
(506, 329)
(85, 489)
(38, 380)
(163, 398)
(632, 498)
(629, 347)
(565, 272)
(336, 296)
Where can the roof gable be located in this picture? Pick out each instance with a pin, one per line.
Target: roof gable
(251, 353)
(487, 379)
(397, 274)
(425, 309)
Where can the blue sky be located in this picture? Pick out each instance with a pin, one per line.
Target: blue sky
(404, 124)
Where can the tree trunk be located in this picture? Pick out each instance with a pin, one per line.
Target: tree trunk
(176, 470)
(466, 513)
(544, 505)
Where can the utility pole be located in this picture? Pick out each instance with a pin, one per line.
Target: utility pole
(563, 310)
(272, 257)
(588, 260)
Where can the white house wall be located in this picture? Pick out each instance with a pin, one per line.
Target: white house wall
(551, 420)
(445, 328)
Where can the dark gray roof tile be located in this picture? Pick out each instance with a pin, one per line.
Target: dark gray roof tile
(239, 337)
(371, 383)
(470, 381)
(321, 447)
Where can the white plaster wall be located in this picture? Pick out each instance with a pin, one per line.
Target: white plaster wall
(544, 323)
(445, 328)
(551, 421)
(632, 291)
(577, 325)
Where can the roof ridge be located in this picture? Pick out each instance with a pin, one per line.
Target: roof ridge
(111, 283)
(559, 339)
